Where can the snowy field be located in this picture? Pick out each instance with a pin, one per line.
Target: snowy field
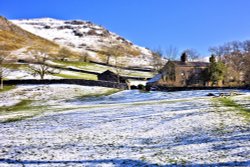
(128, 128)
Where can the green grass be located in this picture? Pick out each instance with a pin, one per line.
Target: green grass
(17, 66)
(7, 88)
(83, 65)
(78, 76)
(23, 110)
(19, 118)
(229, 102)
(71, 63)
(137, 74)
(102, 68)
(23, 105)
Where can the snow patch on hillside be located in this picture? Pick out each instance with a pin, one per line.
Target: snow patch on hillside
(49, 94)
(82, 36)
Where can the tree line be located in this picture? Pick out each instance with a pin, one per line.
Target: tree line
(229, 62)
(236, 57)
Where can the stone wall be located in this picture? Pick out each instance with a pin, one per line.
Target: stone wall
(67, 81)
(165, 88)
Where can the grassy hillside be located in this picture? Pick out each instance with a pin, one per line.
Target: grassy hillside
(13, 38)
(18, 42)
(101, 68)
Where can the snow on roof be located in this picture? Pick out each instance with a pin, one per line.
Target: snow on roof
(156, 78)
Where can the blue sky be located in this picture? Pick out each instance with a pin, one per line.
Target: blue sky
(185, 24)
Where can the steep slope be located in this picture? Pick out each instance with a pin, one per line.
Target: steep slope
(18, 42)
(82, 36)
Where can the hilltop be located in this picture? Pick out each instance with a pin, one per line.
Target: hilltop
(78, 40)
(85, 37)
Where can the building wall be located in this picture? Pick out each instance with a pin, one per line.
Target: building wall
(184, 76)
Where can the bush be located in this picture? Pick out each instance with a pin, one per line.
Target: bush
(141, 87)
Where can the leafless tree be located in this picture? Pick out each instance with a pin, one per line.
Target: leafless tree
(118, 65)
(157, 61)
(246, 48)
(64, 53)
(171, 53)
(192, 54)
(39, 68)
(219, 51)
(247, 72)
(4, 72)
(117, 53)
(84, 57)
(113, 51)
(235, 56)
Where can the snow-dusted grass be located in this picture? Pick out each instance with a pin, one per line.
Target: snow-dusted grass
(21, 71)
(132, 128)
(7, 88)
(25, 73)
(243, 108)
(24, 102)
(75, 75)
(18, 71)
(19, 111)
(231, 103)
(101, 68)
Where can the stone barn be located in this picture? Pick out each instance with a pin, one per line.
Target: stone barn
(112, 77)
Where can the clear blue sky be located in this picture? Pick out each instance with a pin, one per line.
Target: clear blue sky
(185, 24)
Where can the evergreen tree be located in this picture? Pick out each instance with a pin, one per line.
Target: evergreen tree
(184, 57)
(216, 70)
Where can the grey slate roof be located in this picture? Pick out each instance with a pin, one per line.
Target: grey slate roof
(191, 64)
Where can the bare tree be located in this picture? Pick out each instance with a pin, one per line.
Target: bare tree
(4, 72)
(40, 68)
(234, 54)
(192, 54)
(247, 72)
(108, 58)
(117, 53)
(246, 46)
(217, 51)
(84, 57)
(171, 53)
(118, 65)
(246, 49)
(157, 61)
(64, 53)
(113, 51)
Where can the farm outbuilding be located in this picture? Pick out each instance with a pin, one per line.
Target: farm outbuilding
(112, 77)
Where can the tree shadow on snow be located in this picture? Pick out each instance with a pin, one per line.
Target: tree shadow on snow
(116, 163)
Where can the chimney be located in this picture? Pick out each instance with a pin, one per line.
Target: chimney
(184, 57)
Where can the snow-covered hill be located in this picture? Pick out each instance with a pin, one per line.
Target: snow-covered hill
(16, 42)
(84, 36)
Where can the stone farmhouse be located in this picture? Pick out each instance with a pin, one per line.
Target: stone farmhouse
(181, 74)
